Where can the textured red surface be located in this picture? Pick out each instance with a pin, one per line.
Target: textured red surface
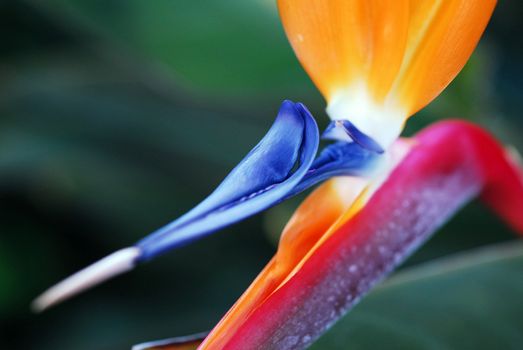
(451, 163)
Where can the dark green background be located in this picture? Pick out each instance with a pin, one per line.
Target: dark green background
(117, 116)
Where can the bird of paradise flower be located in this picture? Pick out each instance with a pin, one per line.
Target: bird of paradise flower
(376, 62)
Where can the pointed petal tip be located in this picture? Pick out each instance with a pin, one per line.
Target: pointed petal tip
(112, 265)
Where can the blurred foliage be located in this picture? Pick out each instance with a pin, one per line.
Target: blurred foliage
(468, 301)
(215, 46)
(118, 116)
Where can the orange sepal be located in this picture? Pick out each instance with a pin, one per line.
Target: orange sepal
(309, 223)
(345, 41)
(398, 54)
(442, 36)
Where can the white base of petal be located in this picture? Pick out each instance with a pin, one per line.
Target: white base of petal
(383, 122)
(115, 264)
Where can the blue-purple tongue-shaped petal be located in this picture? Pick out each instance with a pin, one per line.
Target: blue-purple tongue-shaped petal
(279, 167)
(263, 178)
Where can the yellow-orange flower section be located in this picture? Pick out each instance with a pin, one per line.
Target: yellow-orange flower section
(381, 60)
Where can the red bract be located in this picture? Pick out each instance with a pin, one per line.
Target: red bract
(449, 164)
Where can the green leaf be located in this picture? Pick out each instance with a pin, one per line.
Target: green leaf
(469, 301)
(225, 48)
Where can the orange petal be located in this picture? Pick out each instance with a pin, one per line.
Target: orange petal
(379, 61)
(340, 43)
(312, 219)
(442, 36)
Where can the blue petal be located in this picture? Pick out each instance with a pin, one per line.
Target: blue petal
(338, 159)
(263, 178)
(354, 133)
